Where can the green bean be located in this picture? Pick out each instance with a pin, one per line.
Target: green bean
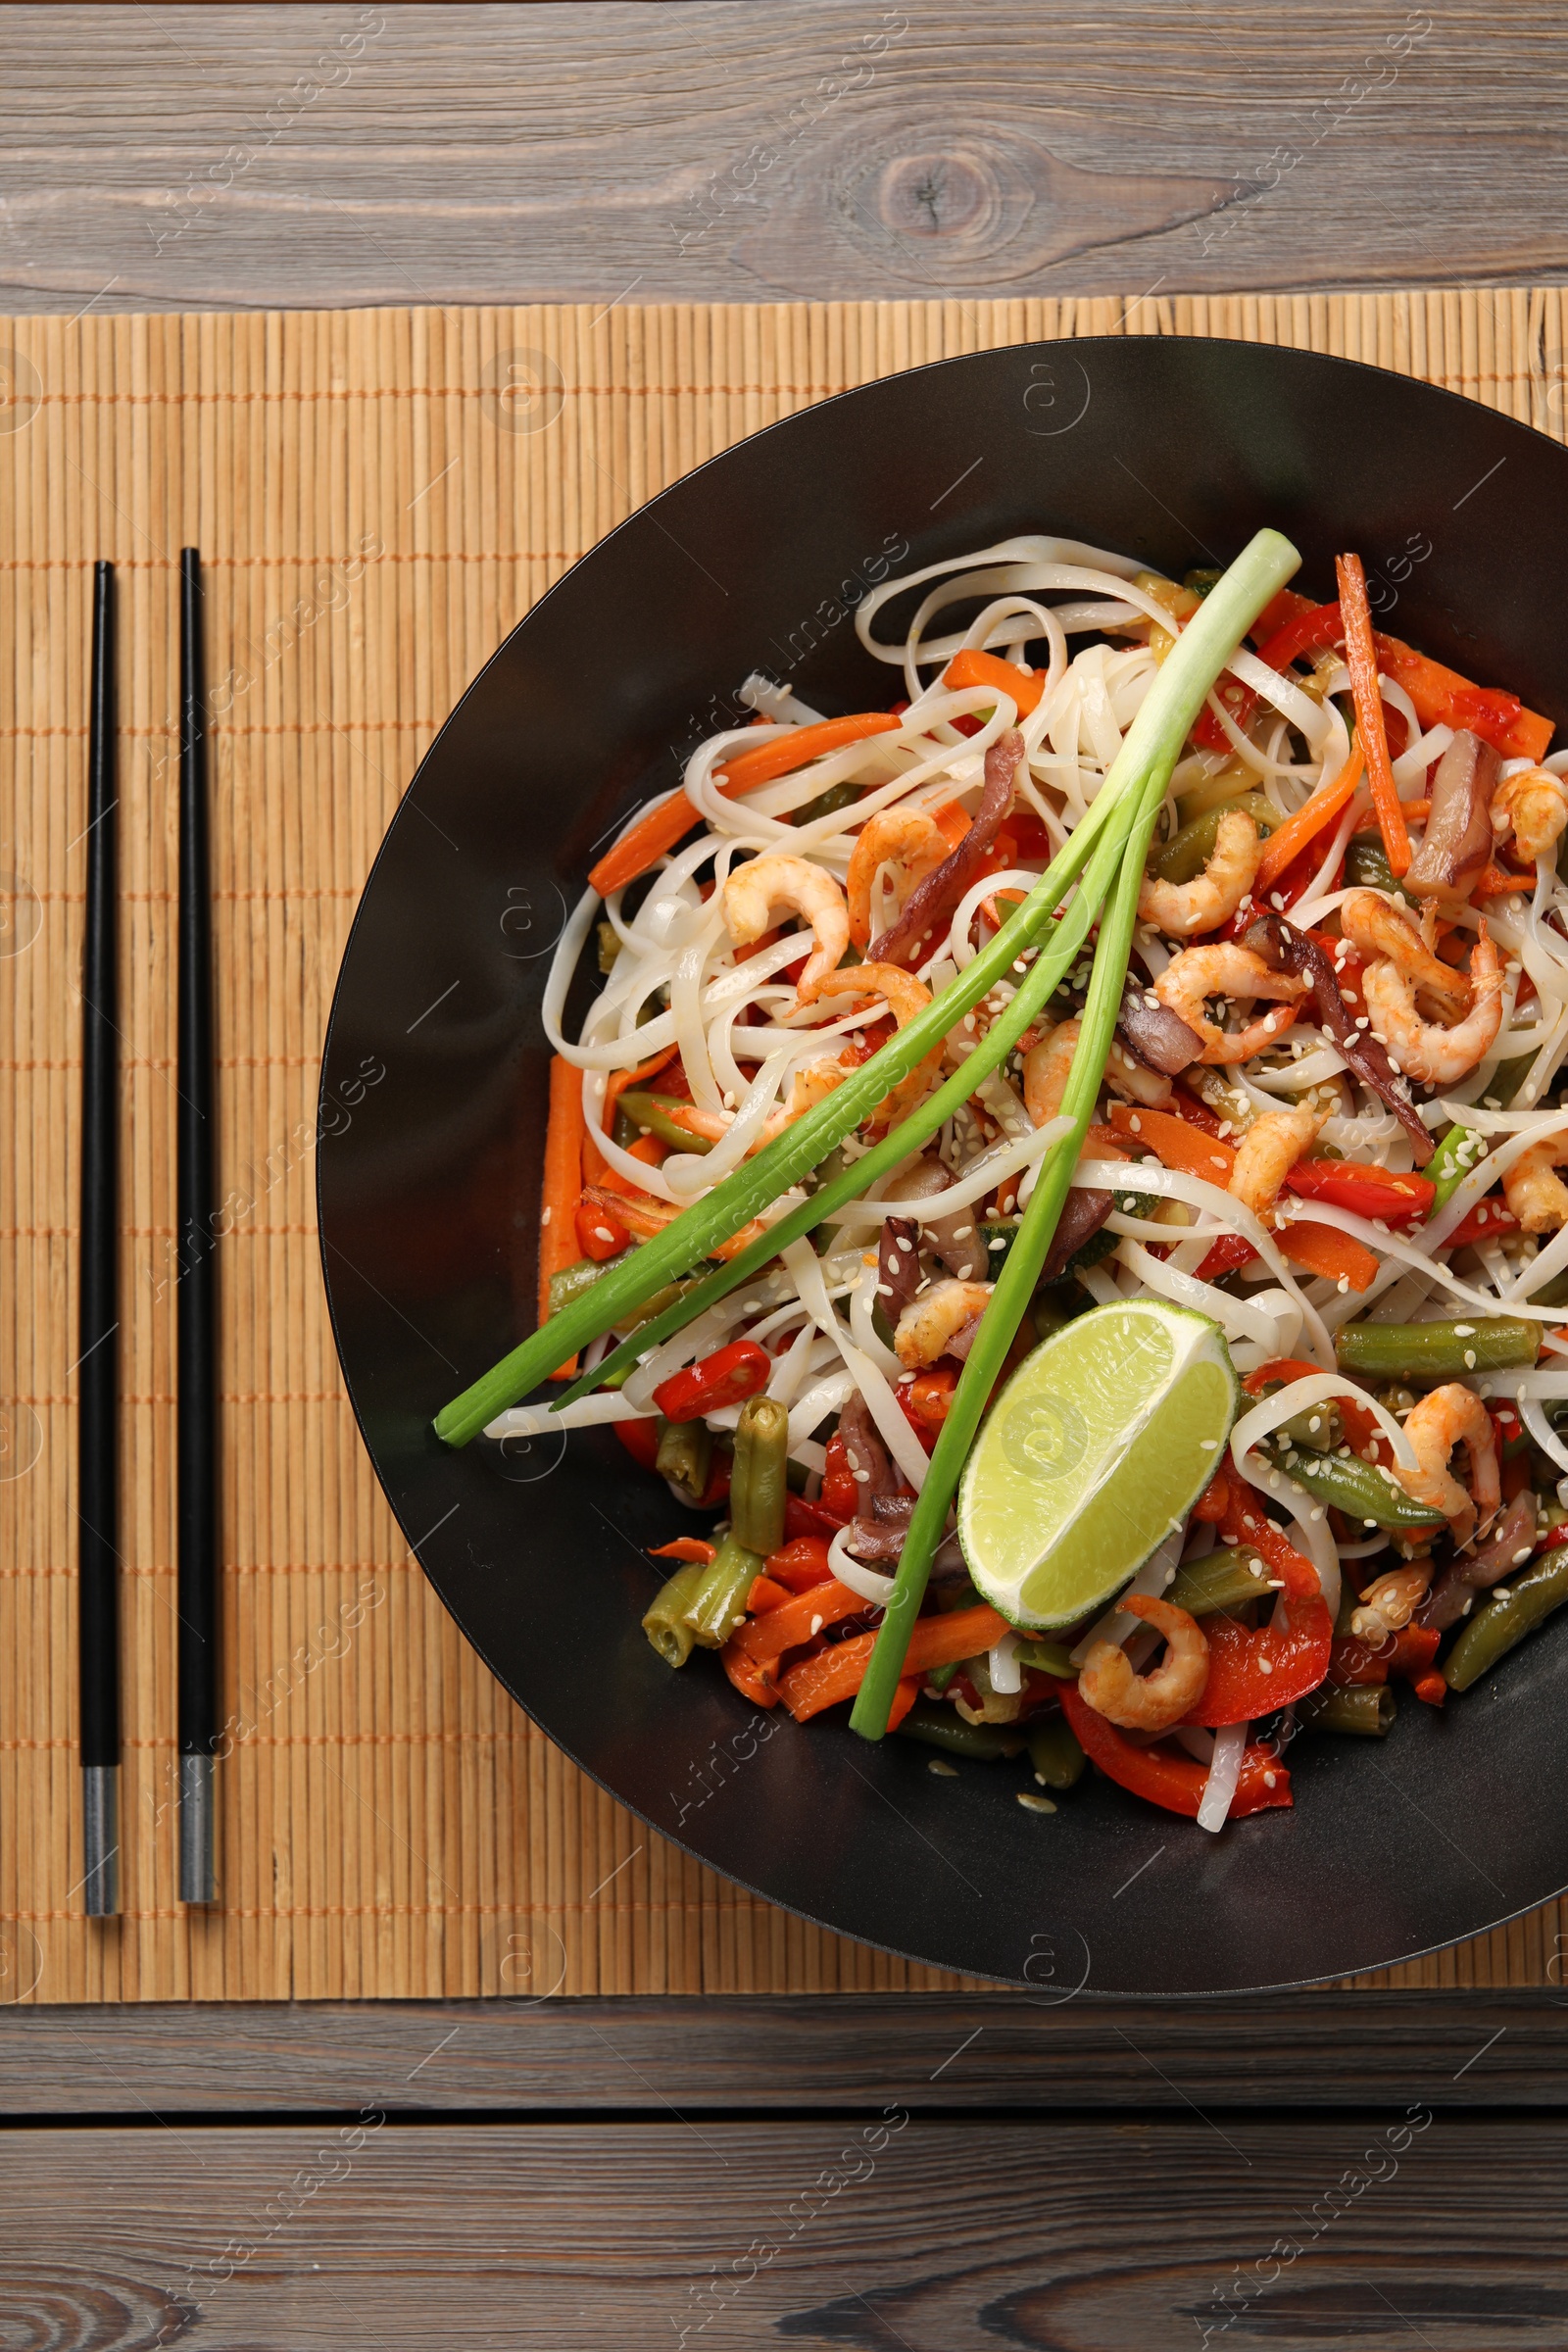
(941, 1675)
(623, 1128)
(571, 1282)
(652, 1114)
(1201, 581)
(1054, 1751)
(1367, 867)
(1523, 1603)
(945, 1727)
(666, 1621)
(685, 1456)
(1049, 1657)
(718, 1601)
(1224, 1580)
(1436, 1350)
(1460, 1149)
(1187, 852)
(827, 804)
(1357, 1488)
(1367, 1710)
(1317, 1428)
(758, 1481)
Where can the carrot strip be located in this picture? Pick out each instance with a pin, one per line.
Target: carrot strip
(974, 668)
(1285, 846)
(1319, 1249)
(1362, 660)
(908, 1690)
(647, 1149)
(1175, 1143)
(1496, 880)
(671, 819)
(765, 1595)
(795, 1620)
(558, 1233)
(690, 1548)
(837, 1671)
(1441, 696)
(752, 1682)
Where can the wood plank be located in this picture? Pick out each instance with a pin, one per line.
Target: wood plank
(1379, 2233)
(187, 156)
(848, 2052)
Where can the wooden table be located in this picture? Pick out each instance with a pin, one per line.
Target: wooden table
(1320, 2170)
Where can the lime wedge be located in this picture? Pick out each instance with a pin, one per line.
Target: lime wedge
(1099, 1445)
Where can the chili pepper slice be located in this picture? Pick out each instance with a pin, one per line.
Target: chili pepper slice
(840, 1497)
(804, 1519)
(727, 1377)
(641, 1441)
(1174, 1782)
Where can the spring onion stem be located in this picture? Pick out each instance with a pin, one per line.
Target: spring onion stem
(1151, 753)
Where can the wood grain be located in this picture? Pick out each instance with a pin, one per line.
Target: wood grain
(370, 525)
(188, 157)
(1380, 2233)
(788, 2055)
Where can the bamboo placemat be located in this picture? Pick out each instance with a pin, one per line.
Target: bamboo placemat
(377, 496)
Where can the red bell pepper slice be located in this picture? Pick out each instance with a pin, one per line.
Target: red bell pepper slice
(1483, 1223)
(925, 1401)
(1409, 1653)
(1365, 1191)
(1174, 1782)
(600, 1233)
(803, 1518)
(800, 1563)
(728, 1377)
(1252, 1671)
(1225, 1254)
(1244, 1520)
(1304, 633)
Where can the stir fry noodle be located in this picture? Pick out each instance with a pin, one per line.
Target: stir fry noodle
(1063, 1174)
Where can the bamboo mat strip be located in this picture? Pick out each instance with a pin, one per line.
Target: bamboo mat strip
(377, 496)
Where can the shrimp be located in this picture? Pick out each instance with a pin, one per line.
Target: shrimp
(1149, 1702)
(1534, 803)
(1450, 1416)
(756, 889)
(1381, 934)
(1391, 1601)
(1212, 896)
(902, 835)
(930, 1321)
(906, 997)
(1047, 1064)
(1227, 970)
(1424, 1050)
(1536, 1196)
(806, 1089)
(1267, 1152)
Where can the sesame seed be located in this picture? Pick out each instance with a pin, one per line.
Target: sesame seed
(1035, 1804)
(817, 1625)
(942, 1768)
(1269, 1778)
(1501, 1593)
(1266, 1665)
(961, 1233)
(1469, 1359)
(1464, 1331)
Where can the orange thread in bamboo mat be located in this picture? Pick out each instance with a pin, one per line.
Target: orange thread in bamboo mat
(392, 1821)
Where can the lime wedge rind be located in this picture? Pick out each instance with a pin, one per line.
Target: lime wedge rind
(1098, 1447)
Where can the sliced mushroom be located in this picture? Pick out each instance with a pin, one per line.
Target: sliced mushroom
(1515, 1534)
(1457, 842)
(897, 1271)
(956, 1240)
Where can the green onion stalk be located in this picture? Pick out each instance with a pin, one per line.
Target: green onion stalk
(1150, 748)
(853, 1181)
(1147, 758)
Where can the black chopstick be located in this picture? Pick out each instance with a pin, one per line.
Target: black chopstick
(98, 1356)
(196, 1506)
